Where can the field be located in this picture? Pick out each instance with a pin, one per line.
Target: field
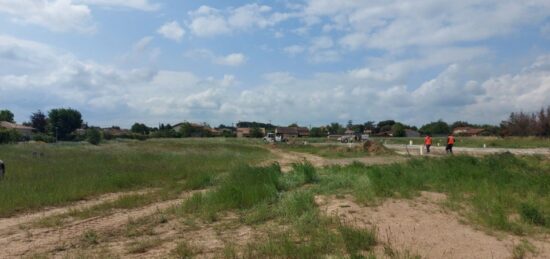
(223, 198)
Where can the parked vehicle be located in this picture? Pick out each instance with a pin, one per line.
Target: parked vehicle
(353, 138)
(272, 137)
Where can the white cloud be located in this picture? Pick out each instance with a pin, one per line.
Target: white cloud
(171, 30)
(56, 15)
(233, 59)
(144, 5)
(207, 21)
(294, 50)
(397, 24)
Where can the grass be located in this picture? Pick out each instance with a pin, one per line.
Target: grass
(489, 190)
(478, 142)
(183, 250)
(71, 172)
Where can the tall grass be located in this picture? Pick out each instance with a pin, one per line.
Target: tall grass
(490, 190)
(69, 172)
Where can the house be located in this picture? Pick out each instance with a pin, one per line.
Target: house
(292, 132)
(246, 132)
(303, 132)
(25, 131)
(349, 132)
(412, 133)
(116, 131)
(287, 132)
(468, 131)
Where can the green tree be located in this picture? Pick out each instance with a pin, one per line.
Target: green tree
(140, 128)
(436, 128)
(6, 115)
(398, 130)
(335, 128)
(256, 133)
(317, 132)
(93, 136)
(63, 122)
(39, 121)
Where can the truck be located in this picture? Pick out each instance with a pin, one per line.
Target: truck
(273, 137)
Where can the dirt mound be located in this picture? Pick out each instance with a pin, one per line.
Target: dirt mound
(375, 148)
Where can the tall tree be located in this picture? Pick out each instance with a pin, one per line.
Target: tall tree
(6, 115)
(39, 121)
(438, 127)
(140, 128)
(64, 121)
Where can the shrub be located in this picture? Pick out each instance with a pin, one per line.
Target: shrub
(43, 138)
(93, 136)
(9, 136)
(531, 214)
(308, 171)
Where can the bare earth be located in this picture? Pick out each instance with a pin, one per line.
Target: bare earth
(422, 227)
(18, 242)
(287, 158)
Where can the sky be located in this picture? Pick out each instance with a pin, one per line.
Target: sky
(307, 61)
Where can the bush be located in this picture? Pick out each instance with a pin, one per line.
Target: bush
(93, 136)
(43, 138)
(9, 136)
(308, 170)
(532, 215)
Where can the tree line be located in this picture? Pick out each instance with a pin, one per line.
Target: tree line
(62, 124)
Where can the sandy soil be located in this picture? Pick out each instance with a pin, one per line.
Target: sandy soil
(422, 227)
(8, 224)
(287, 158)
(18, 242)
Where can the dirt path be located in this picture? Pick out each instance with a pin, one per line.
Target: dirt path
(24, 242)
(422, 227)
(287, 158)
(8, 224)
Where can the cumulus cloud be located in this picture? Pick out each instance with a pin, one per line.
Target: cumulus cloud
(208, 21)
(233, 59)
(396, 24)
(56, 15)
(171, 30)
(144, 5)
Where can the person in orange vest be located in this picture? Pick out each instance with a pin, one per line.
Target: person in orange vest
(450, 143)
(428, 142)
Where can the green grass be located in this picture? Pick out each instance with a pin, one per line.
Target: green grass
(74, 171)
(478, 142)
(489, 190)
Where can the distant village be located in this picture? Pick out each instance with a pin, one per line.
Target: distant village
(67, 125)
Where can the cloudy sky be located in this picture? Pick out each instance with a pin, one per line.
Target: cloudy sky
(306, 61)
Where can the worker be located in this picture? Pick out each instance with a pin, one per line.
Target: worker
(428, 142)
(450, 143)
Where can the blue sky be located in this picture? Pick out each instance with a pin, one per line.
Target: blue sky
(310, 61)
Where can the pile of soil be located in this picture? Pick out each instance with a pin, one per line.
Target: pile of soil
(375, 148)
